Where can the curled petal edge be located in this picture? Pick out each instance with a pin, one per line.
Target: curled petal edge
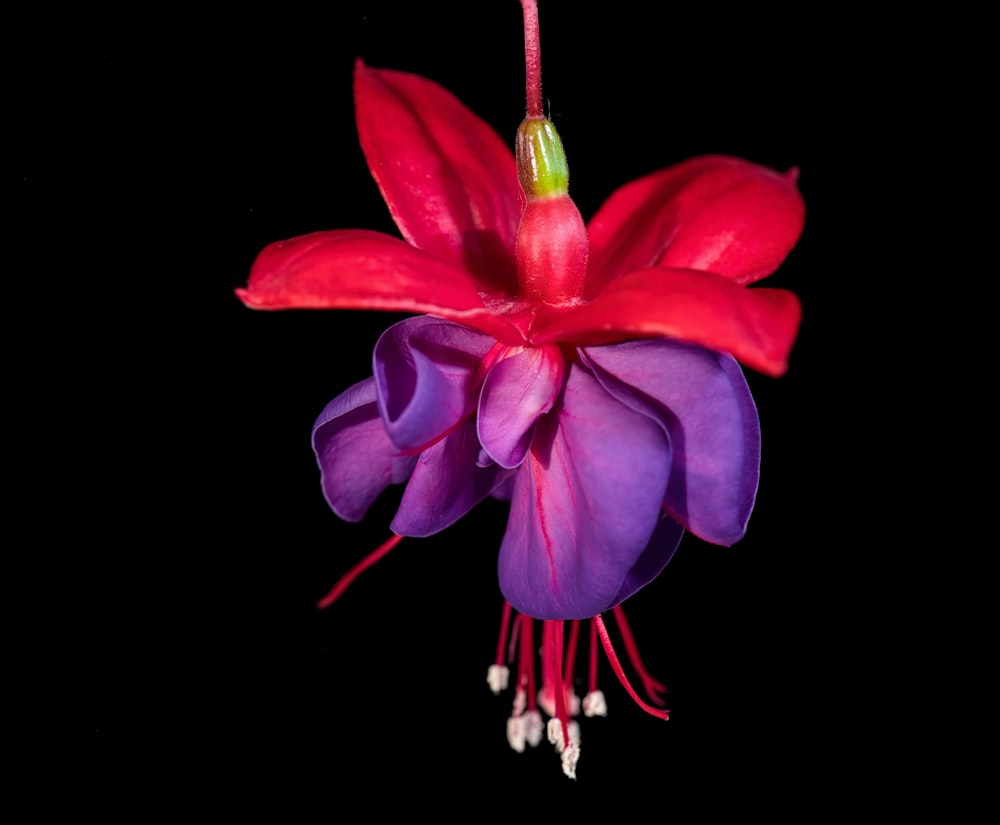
(713, 213)
(448, 178)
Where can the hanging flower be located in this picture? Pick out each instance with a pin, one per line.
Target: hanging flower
(587, 374)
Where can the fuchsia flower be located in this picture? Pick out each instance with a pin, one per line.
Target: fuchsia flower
(586, 374)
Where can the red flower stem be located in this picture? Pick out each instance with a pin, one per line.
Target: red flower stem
(652, 687)
(504, 624)
(357, 570)
(616, 666)
(532, 58)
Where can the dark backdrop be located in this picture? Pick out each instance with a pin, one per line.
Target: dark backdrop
(166, 155)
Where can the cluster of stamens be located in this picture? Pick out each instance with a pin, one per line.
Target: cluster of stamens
(556, 696)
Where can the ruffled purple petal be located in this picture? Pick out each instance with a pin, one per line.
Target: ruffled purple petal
(446, 484)
(585, 504)
(654, 558)
(516, 392)
(357, 461)
(424, 374)
(702, 399)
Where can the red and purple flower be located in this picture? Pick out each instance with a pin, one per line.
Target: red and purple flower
(586, 374)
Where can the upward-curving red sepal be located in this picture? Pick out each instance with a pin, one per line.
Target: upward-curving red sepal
(757, 326)
(448, 179)
(360, 269)
(714, 213)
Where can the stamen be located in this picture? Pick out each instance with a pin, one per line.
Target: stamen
(517, 733)
(617, 668)
(504, 624)
(652, 687)
(592, 673)
(533, 727)
(594, 704)
(567, 743)
(528, 662)
(497, 677)
(357, 570)
(574, 636)
(557, 641)
(520, 701)
(515, 633)
(570, 757)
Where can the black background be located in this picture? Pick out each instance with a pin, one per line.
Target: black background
(158, 160)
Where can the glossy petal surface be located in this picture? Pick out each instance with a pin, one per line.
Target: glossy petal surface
(356, 459)
(448, 179)
(446, 484)
(359, 269)
(585, 504)
(424, 373)
(516, 392)
(703, 400)
(758, 326)
(717, 214)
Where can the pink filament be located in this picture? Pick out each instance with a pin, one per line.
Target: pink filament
(617, 668)
(528, 655)
(357, 570)
(574, 636)
(557, 654)
(504, 624)
(592, 680)
(652, 687)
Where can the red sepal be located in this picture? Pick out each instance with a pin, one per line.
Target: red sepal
(448, 179)
(756, 326)
(360, 269)
(714, 213)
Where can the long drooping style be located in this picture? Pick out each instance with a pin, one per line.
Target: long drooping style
(586, 373)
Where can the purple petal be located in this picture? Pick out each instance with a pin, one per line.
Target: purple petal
(516, 392)
(701, 397)
(424, 373)
(446, 484)
(654, 558)
(585, 504)
(356, 459)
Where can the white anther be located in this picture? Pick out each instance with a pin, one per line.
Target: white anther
(534, 727)
(517, 732)
(594, 704)
(574, 731)
(496, 678)
(570, 756)
(554, 732)
(520, 701)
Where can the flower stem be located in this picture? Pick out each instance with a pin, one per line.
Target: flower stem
(532, 58)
